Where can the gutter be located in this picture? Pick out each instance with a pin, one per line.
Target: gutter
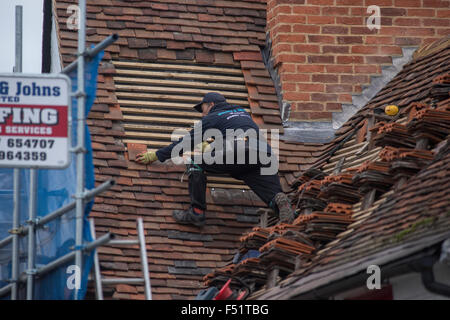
(425, 267)
(422, 262)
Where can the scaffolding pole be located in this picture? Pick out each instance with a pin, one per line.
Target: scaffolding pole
(60, 261)
(69, 256)
(31, 234)
(80, 149)
(144, 262)
(21, 231)
(6, 289)
(91, 53)
(15, 235)
(19, 38)
(97, 274)
(16, 178)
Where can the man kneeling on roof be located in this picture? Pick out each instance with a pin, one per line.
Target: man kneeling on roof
(234, 151)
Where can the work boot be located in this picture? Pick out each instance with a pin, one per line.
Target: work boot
(189, 217)
(286, 213)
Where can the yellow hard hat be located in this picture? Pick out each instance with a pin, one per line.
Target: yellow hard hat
(391, 110)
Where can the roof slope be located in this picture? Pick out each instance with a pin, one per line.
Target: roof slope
(418, 210)
(358, 200)
(196, 32)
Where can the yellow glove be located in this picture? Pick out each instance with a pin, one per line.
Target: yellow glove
(146, 157)
(204, 146)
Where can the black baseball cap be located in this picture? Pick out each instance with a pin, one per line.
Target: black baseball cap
(210, 97)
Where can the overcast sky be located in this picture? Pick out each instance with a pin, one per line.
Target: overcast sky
(32, 35)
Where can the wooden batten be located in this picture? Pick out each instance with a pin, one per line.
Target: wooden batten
(178, 90)
(182, 84)
(158, 98)
(180, 75)
(179, 67)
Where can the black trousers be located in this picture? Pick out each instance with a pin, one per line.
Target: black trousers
(265, 186)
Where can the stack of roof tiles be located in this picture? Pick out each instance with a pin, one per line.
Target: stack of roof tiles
(254, 239)
(322, 226)
(306, 195)
(279, 245)
(430, 123)
(405, 162)
(389, 154)
(282, 246)
(283, 251)
(373, 175)
(440, 87)
(339, 188)
(393, 134)
(251, 272)
(219, 277)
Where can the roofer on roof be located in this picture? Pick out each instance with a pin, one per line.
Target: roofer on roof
(238, 149)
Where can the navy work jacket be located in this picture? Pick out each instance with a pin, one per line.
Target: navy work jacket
(222, 116)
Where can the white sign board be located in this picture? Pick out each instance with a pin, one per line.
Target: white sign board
(34, 121)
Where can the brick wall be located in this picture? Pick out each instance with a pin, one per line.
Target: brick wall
(324, 52)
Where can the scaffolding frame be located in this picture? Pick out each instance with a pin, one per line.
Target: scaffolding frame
(82, 196)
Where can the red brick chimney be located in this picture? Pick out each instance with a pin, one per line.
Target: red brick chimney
(324, 53)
